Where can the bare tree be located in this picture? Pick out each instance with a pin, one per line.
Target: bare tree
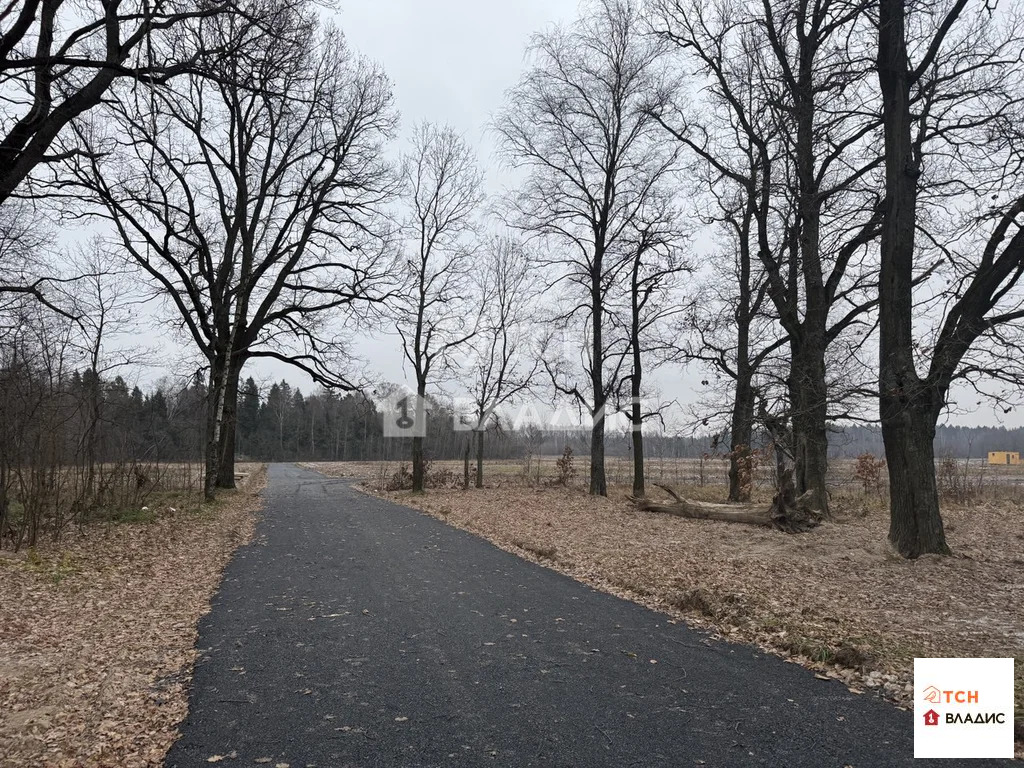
(579, 123)
(58, 59)
(730, 331)
(653, 246)
(103, 306)
(443, 196)
(950, 79)
(792, 126)
(253, 201)
(502, 363)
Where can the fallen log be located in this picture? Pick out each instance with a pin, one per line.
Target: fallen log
(787, 512)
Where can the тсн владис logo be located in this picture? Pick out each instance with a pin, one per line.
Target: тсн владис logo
(964, 708)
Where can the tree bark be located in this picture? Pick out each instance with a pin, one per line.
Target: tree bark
(417, 464)
(741, 430)
(598, 482)
(908, 407)
(809, 403)
(480, 459)
(638, 451)
(915, 525)
(214, 414)
(229, 429)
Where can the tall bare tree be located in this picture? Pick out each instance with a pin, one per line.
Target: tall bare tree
(729, 329)
(252, 200)
(792, 126)
(650, 299)
(502, 360)
(580, 125)
(950, 78)
(443, 196)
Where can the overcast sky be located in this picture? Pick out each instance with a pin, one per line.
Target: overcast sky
(451, 61)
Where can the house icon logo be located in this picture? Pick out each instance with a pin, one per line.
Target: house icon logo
(931, 717)
(932, 695)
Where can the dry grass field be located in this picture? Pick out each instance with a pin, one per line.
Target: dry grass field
(968, 480)
(836, 599)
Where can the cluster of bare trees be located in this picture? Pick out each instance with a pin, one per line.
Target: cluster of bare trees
(233, 153)
(817, 202)
(77, 444)
(861, 166)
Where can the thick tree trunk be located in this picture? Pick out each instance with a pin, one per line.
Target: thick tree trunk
(809, 402)
(228, 429)
(480, 459)
(908, 407)
(741, 431)
(638, 452)
(418, 459)
(915, 525)
(598, 482)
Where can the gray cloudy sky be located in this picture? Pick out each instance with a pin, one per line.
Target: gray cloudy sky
(451, 61)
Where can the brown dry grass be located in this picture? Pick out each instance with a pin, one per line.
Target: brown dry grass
(97, 635)
(836, 599)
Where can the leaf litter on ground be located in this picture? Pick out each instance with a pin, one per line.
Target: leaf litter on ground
(98, 634)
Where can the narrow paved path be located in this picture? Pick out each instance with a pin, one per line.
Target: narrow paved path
(354, 632)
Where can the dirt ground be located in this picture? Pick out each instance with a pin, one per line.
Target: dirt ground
(97, 635)
(836, 599)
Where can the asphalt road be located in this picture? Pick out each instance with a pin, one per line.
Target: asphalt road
(354, 632)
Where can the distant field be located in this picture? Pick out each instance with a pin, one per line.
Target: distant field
(972, 476)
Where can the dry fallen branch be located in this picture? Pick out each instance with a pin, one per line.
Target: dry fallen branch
(786, 512)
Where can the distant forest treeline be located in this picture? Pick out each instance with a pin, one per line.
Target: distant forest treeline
(281, 423)
(958, 442)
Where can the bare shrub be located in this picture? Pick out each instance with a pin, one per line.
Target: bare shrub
(401, 480)
(566, 467)
(955, 483)
(868, 472)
